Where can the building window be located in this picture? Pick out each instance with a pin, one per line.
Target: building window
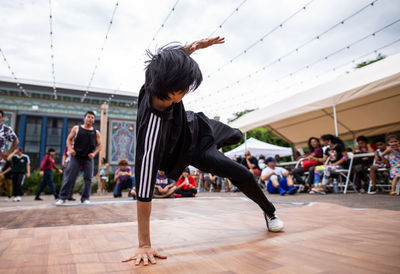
(54, 137)
(33, 134)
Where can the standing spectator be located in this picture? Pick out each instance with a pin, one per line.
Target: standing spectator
(46, 166)
(6, 180)
(360, 166)
(277, 179)
(20, 169)
(123, 178)
(186, 185)
(164, 186)
(393, 156)
(103, 176)
(338, 160)
(378, 163)
(87, 145)
(251, 163)
(6, 134)
(312, 159)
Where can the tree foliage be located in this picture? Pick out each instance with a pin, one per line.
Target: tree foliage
(369, 62)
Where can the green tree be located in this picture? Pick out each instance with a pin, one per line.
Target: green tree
(369, 62)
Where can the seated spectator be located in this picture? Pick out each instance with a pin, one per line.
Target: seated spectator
(312, 159)
(213, 181)
(186, 186)
(378, 163)
(338, 160)
(261, 162)
(277, 179)
(164, 187)
(123, 178)
(360, 166)
(393, 156)
(277, 158)
(251, 163)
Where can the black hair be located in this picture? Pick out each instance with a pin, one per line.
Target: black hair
(380, 140)
(333, 139)
(392, 136)
(2, 113)
(89, 112)
(171, 69)
(262, 157)
(362, 138)
(104, 160)
(50, 150)
(310, 147)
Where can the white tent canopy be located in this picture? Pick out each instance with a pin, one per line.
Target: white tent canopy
(257, 147)
(365, 101)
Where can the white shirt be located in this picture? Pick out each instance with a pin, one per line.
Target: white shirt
(278, 171)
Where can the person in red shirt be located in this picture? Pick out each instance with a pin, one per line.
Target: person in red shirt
(46, 166)
(186, 185)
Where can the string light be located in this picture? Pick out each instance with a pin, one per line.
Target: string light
(227, 18)
(353, 60)
(100, 53)
(20, 87)
(262, 38)
(296, 49)
(163, 24)
(52, 51)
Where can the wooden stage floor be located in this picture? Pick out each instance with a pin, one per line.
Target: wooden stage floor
(200, 235)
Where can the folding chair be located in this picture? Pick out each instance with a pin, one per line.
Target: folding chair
(386, 180)
(345, 174)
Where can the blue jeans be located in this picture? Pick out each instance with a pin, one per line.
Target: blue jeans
(47, 180)
(127, 183)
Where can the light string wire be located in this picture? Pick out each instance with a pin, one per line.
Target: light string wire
(17, 82)
(100, 53)
(52, 51)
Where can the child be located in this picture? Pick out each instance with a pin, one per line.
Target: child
(186, 186)
(170, 138)
(164, 187)
(392, 154)
(20, 169)
(378, 163)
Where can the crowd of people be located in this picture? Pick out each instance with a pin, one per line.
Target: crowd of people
(314, 173)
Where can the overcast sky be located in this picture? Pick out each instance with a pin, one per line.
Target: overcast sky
(79, 29)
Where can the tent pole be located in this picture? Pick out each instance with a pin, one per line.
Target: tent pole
(245, 140)
(335, 120)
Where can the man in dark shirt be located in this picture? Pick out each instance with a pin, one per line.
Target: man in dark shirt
(20, 164)
(87, 145)
(251, 163)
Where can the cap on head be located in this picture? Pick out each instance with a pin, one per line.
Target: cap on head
(270, 159)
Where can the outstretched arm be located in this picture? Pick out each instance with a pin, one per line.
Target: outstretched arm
(203, 43)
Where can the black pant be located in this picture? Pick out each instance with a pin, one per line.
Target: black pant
(299, 172)
(47, 180)
(18, 180)
(212, 161)
(186, 192)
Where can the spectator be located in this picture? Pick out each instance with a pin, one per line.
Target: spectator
(360, 166)
(213, 181)
(312, 159)
(261, 162)
(277, 158)
(6, 134)
(186, 185)
(378, 163)
(6, 180)
(164, 187)
(103, 176)
(277, 179)
(251, 163)
(46, 167)
(123, 178)
(393, 156)
(20, 164)
(338, 159)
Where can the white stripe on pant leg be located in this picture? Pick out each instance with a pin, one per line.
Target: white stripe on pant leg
(146, 179)
(152, 157)
(146, 141)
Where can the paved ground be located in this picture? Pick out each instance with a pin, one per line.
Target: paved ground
(353, 200)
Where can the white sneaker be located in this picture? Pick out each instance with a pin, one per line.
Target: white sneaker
(8, 199)
(15, 199)
(60, 202)
(274, 224)
(87, 202)
(18, 199)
